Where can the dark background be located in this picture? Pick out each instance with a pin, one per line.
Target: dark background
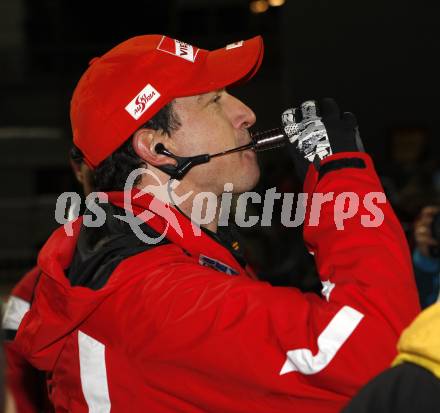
(378, 59)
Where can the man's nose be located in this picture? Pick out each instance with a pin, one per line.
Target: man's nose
(242, 116)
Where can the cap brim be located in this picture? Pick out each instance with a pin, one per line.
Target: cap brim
(228, 67)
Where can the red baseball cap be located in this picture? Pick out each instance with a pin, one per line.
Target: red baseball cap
(121, 90)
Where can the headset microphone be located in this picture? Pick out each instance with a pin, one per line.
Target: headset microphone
(260, 141)
(184, 163)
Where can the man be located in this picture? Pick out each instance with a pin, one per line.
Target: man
(27, 384)
(413, 383)
(7, 404)
(178, 324)
(426, 257)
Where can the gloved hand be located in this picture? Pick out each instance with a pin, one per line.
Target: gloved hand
(317, 130)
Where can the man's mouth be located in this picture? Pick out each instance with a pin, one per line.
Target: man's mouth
(244, 139)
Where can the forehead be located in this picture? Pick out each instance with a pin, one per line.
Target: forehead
(195, 101)
(186, 102)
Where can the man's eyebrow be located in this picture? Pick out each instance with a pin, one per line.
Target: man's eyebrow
(200, 97)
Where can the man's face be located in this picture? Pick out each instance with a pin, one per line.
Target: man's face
(211, 123)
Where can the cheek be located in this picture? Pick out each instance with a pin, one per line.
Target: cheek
(219, 135)
(205, 137)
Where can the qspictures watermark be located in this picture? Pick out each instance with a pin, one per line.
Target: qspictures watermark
(205, 206)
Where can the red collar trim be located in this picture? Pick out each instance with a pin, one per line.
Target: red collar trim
(178, 228)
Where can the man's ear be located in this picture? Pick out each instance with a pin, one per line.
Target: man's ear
(76, 167)
(84, 175)
(144, 143)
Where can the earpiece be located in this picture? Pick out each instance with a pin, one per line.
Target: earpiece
(160, 149)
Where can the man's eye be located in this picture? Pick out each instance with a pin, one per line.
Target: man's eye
(216, 98)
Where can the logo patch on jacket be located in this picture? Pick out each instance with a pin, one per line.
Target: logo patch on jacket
(216, 265)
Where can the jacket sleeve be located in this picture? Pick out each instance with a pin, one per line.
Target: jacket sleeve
(366, 257)
(26, 383)
(279, 339)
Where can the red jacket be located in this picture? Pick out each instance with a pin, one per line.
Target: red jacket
(25, 382)
(166, 334)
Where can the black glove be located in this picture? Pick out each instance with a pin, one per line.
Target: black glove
(317, 130)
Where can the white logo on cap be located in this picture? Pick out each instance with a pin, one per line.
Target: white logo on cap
(143, 100)
(184, 50)
(234, 45)
(178, 48)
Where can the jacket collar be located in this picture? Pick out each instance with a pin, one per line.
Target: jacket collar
(177, 228)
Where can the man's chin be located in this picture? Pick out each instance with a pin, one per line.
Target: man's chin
(248, 181)
(255, 180)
